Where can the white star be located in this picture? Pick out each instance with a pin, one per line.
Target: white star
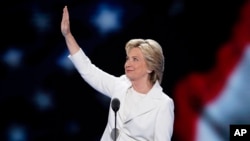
(107, 19)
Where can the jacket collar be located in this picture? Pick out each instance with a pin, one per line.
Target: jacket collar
(147, 104)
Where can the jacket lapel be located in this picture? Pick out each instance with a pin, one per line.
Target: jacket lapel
(147, 104)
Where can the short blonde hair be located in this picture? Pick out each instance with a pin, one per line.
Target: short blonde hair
(153, 55)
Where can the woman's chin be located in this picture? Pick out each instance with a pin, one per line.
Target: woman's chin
(129, 77)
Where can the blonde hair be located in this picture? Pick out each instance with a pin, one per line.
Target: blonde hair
(153, 55)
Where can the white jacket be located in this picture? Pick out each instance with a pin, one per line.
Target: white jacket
(152, 120)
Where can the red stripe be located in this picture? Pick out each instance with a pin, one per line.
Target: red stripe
(198, 89)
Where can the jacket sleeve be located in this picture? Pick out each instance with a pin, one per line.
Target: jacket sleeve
(95, 77)
(165, 121)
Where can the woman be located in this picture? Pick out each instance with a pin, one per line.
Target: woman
(146, 113)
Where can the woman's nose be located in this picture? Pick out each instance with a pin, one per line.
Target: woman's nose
(127, 63)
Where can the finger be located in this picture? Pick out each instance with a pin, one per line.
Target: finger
(66, 13)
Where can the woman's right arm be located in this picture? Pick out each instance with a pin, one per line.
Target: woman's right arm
(72, 45)
(98, 79)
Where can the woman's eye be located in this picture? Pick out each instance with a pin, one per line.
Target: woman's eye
(135, 59)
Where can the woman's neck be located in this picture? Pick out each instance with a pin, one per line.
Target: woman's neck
(142, 87)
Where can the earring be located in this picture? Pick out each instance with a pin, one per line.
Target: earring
(149, 71)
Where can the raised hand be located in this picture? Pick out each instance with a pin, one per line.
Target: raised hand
(65, 24)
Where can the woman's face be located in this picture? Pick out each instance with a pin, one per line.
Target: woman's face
(135, 65)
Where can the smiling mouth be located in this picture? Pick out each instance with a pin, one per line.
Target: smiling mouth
(129, 70)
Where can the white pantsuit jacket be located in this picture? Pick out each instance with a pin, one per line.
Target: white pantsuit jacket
(151, 120)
